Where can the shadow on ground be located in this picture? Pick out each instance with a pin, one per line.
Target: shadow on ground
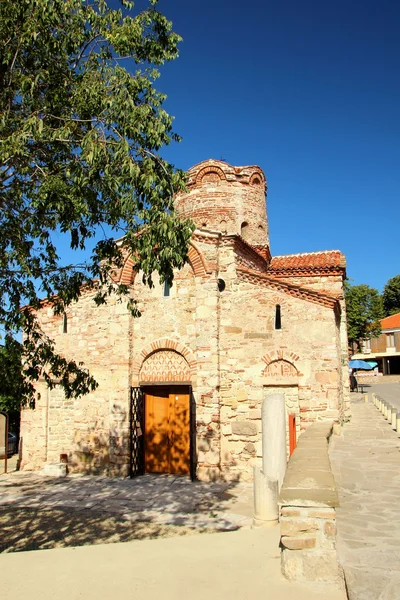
(39, 512)
(24, 529)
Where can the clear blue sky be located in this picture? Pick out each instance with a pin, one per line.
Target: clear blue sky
(310, 92)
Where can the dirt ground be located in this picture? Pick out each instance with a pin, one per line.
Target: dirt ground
(37, 529)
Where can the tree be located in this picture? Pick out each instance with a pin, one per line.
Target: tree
(80, 141)
(13, 385)
(364, 310)
(391, 296)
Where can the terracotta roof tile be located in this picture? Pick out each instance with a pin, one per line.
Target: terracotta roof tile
(329, 260)
(392, 322)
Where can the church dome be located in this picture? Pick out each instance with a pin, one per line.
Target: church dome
(227, 199)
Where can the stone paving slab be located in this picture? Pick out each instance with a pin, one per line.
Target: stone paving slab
(366, 465)
(165, 499)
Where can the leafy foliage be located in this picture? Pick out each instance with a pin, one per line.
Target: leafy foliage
(364, 310)
(391, 296)
(80, 135)
(13, 385)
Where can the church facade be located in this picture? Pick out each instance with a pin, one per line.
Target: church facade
(181, 387)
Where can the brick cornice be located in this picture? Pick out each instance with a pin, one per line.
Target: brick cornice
(249, 175)
(306, 272)
(206, 238)
(296, 291)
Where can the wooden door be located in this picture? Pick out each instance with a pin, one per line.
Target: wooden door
(167, 431)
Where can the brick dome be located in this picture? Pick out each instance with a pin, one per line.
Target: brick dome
(231, 200)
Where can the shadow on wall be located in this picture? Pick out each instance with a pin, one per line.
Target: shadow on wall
(96, 450)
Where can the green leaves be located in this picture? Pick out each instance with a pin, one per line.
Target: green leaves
(391, 296)
(364, 310)
(81, 125)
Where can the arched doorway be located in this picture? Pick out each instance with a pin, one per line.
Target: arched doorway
(162, 416)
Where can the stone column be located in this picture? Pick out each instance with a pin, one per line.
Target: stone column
(274, 437)
(268, 480)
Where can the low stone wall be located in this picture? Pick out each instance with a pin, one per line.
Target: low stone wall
(308, 500)
(367, 378)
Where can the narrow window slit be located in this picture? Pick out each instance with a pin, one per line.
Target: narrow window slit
(278, 322)
(65, 323)
(167, 288)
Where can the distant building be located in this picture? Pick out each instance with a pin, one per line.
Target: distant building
(385, 349)
(181, 387)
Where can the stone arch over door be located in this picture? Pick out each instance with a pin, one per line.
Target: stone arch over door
(280, 363)
(164, 354)
(280, 368)
(281, 375)
(164, 366)
(163, 371)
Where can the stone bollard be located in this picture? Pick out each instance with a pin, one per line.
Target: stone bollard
(383, 407)
(394, 418)
(379, 404)
(398, 422)
(365, 397)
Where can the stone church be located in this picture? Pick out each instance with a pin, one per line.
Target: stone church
(181, 388)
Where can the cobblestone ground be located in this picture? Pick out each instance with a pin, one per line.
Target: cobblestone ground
(366, 464)
(43, 512)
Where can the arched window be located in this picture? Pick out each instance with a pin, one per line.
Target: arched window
(244, 230)
(278, 320)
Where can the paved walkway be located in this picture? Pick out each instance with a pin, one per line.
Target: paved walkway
(235, 565)
(366, 464)
(165, 499)
(387, 391)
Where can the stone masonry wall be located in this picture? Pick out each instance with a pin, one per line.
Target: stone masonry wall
(308, 501)
(238, 357)
(92, 430)
(226, 340)
(303, 356)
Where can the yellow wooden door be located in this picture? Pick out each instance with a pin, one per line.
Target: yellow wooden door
(179, 434)
(167, 432)
(157, 433)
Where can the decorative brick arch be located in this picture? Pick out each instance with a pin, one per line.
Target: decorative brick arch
(210, 171)
(280, 364)
(164, 366)
(128, 272)
(257, 178)
(195, 257)
(170, 346)
(196, 261)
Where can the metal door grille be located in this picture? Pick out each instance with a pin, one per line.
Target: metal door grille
(137, 432)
